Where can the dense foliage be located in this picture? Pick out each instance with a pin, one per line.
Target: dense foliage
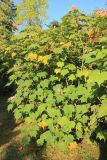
(61, 79)
(7, 14)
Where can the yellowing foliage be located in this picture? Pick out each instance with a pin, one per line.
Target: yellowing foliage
(90, 32)
(72, 146)
(35, 57)
(92, 40)
(32, 56)
(66, 44)
(73, 8)
(86, 72)
(102, 13)
(59, 86)
(36, 66)
(42, 124)
(57, 70)
(45, 59)
(40, 58)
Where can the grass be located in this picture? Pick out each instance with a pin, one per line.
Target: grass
(11, 147)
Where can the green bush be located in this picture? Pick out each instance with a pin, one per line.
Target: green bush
(61, 79)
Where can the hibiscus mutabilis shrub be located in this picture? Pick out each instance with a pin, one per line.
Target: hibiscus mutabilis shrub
(61, 81)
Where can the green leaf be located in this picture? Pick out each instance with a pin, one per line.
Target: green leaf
(68, 127)
(44, 137)
(68, 110)
(71, 77)
(60, 64)
(102, 135)
(10, 107)
(58, 50)
(52, 112)
(71, 67)
(102, 110)
(32, 97)
(62, 121)
(26, 140)
(97, 76)
(44, 83)
(17, 114)
(79, 135)
(18, 100)
(53, 78)
(28, 107)
(79, 127)
(64, 72)
(41, 108)
(41, 74)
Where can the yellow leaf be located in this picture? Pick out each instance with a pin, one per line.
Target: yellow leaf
(36, 66)
(62, 43)
(42, 124)
(72, 146)
(90, 32)
(13, 54)
(86, 72)
(57, 70)
(66, 44)
(46, 59)
(32, 56)
(40, 58)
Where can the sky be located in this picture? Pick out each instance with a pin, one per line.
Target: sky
(58, 8)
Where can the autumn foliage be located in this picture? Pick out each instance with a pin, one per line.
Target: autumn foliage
(60, 78)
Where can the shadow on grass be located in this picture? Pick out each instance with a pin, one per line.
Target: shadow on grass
(102, 140)
(7, 123)
(17, 151)
(11, 147)
(103, 150)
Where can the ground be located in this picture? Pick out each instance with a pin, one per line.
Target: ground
(11, 147)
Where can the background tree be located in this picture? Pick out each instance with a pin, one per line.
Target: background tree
(54, 24)
(7, 14)
(31, 12)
